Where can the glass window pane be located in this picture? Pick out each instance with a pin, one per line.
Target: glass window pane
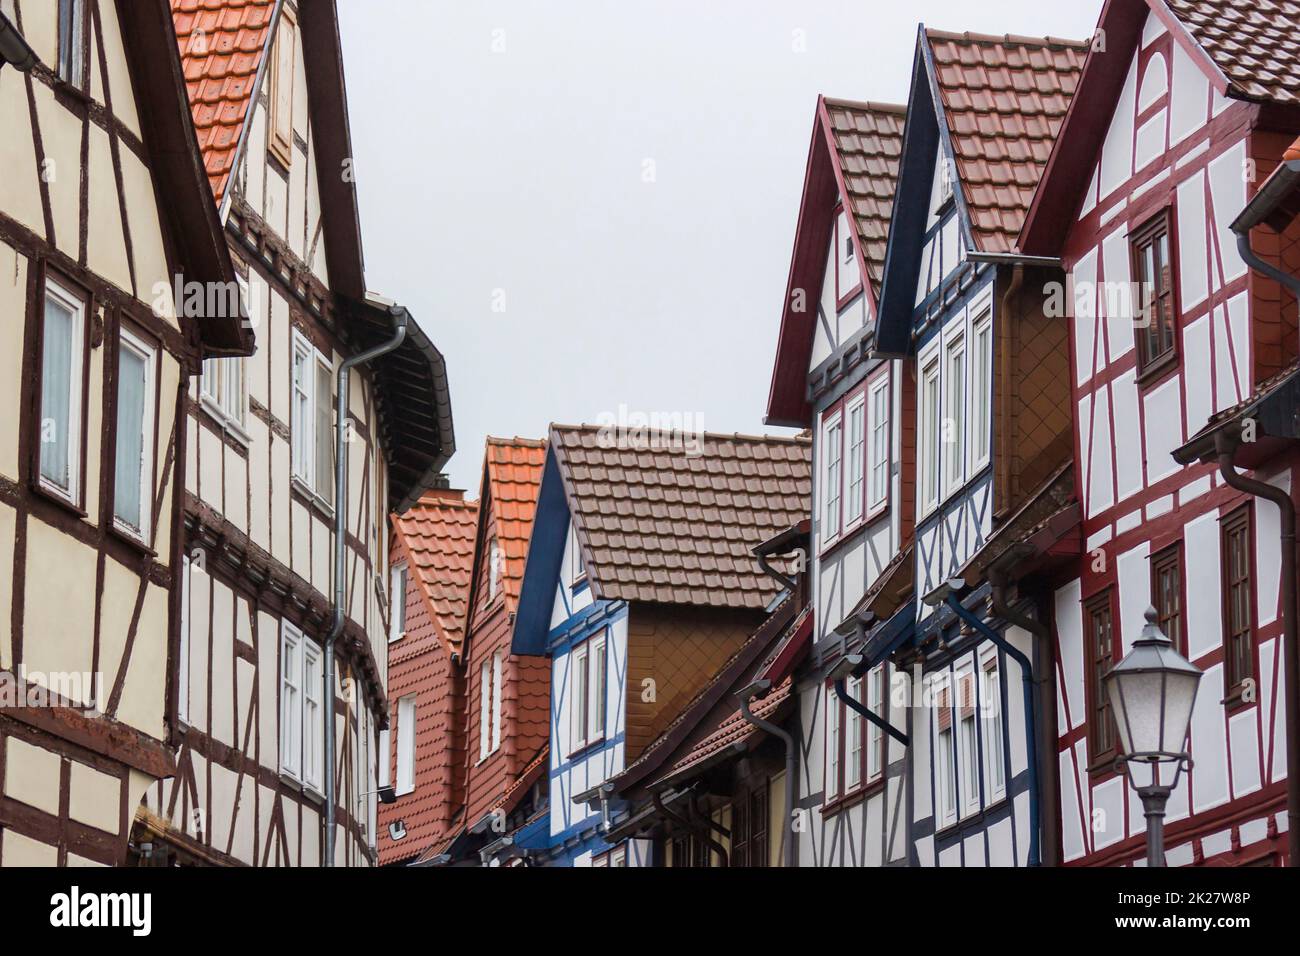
(58, 393)
(132, 385)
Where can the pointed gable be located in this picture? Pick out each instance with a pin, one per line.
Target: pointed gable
(437, 537)
(1003, 100)
(852, 160)
(512, 475)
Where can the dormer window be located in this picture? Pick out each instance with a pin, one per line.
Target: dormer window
(494, 569)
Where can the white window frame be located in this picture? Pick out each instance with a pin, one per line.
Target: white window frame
(398, 576)
(494, 568)
(496, 700)
(406, 726)
(304, 411)
(878, 444)
(484, 709)
(385, 758)
(183, 667)
(954, 410)
(223, 393)
(597, 687)
(76, 399)
(875, 736)
(72, 66)
(945, 752)
(855, 452)
(968, 754)
(579, 718)
(149, 354)
(833, 707)
(302, 716)
(992, 732)
(980, 374)
(931, 428)
(853, 738)
(832, 476)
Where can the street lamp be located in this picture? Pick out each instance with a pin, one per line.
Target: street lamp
(1151, 693)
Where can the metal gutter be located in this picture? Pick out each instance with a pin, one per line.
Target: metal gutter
(1013, 259)
(14, 48)
(400, 321)
(856, 664)
(761, 688)
(224, 209)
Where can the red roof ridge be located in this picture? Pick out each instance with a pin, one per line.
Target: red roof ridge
(966, 36)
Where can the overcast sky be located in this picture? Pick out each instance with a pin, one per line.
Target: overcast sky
(592, 204)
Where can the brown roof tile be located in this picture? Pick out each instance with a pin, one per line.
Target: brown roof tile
(660, 523)
(868, 141)
(514, 473)
(222, 43)
(1256, 44)
(1004, 98)
(437, 534)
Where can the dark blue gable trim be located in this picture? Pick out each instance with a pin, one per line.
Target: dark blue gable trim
(542, 568)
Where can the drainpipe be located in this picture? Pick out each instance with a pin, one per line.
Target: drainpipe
(839, 674)
(400, 319)
(1224, 447)
(14, 48)
(758, 689)
(1046, 681)
(1027, 675)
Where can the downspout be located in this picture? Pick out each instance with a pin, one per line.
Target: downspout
(699, 830)
(1046, 682)
(400, 319)
(791, 768)
(867, 713)
(1027, 677)
(1224, 447)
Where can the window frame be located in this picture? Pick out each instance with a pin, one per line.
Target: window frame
(281, 147)
(484, 709)
(880, 384)
(1238, 521)
(930, 418)
(186, 641)
(495, 709)
(979, 373)
(1170, 558)
(72, 51)
(305, 455)
(78, 304)
(294, 729)
(407, 725)
(968, 747)
(854, 503)
(945, 757)
(495, 565)
(398, 582)
(1100, 758)
(992, 731)
(867, 747)
(148, 351)
(953, 454)
(1152, 366)
(832, 471)
(579, 718)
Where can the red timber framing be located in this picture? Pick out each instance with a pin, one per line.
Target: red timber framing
(1155, 142)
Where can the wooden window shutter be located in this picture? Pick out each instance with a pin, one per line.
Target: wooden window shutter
(282, 82)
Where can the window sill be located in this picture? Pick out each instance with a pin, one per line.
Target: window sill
(587, 748)
(1235, 701)
(854, 797)
(394, 638)
(53, 496)
(131, 538)
(312, 499)
(1153, 374)
(225, 422)
(306, 789)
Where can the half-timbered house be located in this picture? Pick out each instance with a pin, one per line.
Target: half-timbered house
(827, 377)
(422, 752)
(104, 216)
(640, 584)
(503, 721)
(1183, 108)
(287, 550)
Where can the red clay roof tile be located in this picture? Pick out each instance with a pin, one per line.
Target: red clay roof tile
(514, 474)
(222, 43)
(438, 535)
(1004, 98)
(1256, 44)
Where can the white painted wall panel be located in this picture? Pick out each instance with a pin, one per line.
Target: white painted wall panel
(1204, 614)
(1209, 746)
(1228, 193)
(1117, 151)
(1084, 303)
(1069, 630)
(1164, 416)
(1243, 735)
(1192, 262)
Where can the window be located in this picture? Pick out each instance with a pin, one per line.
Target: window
(62, 366)
(1101, 656)
(878, 462)
(385, 758)
(223, 391)
(579, 714)
(995, 774)
(397, 602)
(749, 843)
(496, 701)
(833, 709)
(856, 459)
(981, 385)
(133, 456)
(1153, 271)
(968, 742)
(282, 81)
(1167, 593)
(406, 744)
(596, 709)
(852, 735)
(945, 762)
(875, 736)
(312, 420)
(590, 683)
(72, 26)
(484, 710)
(834, 452)
(301, 714)
(954, 415)
(929, 450)
(494, 569)
(1238, 617)
(183, 667)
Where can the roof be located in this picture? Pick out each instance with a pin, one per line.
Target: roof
(437, 536)
(1049, 514)
(1274, 408)
(659, 519)
(867, 140)
(222, 45)
(512, 474)
(853, 156)
(1004, 99)
(1255, 45)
